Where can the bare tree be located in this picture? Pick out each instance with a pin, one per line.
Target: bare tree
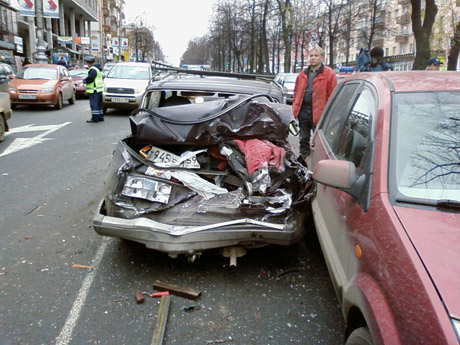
(304, 26)
(197, 52)
(332, 12)
(422, 30)
(351, 12)
(373, 16)
(141, 40)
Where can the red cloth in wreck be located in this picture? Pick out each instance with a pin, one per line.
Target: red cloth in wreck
(260, 154)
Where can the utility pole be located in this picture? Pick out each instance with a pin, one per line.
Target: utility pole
(40, 56)
(119, 31)
(137, 49)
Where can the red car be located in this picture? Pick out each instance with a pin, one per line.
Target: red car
(42, 84)
(386, 161)
(77, 76)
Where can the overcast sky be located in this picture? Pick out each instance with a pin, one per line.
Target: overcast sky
(175, 22)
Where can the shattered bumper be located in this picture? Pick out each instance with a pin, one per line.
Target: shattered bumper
(193, 239)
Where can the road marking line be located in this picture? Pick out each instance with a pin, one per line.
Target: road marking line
(19, 144)
(66, 333)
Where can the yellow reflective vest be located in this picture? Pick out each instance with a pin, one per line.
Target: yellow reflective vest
(97, 85)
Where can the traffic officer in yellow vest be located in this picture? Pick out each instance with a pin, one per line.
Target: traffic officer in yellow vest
(94, 87)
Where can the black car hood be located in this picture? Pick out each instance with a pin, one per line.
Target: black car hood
(213, 122)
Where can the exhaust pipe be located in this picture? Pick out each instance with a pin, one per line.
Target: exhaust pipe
(233, 253)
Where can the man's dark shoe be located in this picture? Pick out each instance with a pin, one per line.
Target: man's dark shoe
(101, 120)
(92, 121)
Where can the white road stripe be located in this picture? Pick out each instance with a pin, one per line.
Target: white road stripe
(19, 144)
(66, 333)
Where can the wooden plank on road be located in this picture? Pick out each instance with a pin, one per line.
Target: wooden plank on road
(177, 290)
(159, 331)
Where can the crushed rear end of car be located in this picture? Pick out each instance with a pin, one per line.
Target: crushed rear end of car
(202, 176)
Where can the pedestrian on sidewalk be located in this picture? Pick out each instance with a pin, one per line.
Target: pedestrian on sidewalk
(313, 87)
(94, 87)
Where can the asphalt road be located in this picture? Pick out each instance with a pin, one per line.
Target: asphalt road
(52, 168)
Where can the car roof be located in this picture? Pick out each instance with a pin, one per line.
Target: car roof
(43, 65)
(218, 82)
(140, 64)
(413, 81)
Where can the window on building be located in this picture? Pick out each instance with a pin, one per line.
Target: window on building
(411, 48)
(402, 49)
(404, 30)
(387, 51)
(394, 50)
(405, 9)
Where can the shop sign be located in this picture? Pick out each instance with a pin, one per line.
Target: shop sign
(50, 8)
(18, 40)
(85, 40)
(65, 39)
(27, 8)
(95, 42)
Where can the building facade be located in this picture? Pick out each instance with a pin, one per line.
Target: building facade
(8, 32)
(393, 32)
(69, 28)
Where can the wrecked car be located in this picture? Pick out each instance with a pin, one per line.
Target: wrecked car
(198, 176)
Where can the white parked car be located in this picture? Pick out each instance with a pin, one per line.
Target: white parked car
(287, 81)
(125, 84)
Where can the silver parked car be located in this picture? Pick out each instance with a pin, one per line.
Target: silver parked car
(6, 74)
(213, 171)
(5, 113)
(125, 84)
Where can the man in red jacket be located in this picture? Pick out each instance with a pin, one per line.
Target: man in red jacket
(313, 87)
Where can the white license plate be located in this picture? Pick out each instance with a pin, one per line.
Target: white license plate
(144, 188)
(120, 100)
(167, 159)
(27, 96)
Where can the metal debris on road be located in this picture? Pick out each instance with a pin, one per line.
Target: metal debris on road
(191, 307)
(82, 266)
(289, 270)
(139, 296)
(219, 341)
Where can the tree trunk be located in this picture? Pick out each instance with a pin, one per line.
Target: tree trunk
(454, 51)
(252, 48)
(264, 41)
(422, 32)
(285, 9)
